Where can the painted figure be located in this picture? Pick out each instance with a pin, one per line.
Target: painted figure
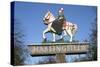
(58, 22)
(58, 25)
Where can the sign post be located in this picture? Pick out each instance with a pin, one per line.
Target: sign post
(58, 49)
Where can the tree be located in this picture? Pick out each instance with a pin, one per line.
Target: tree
(19, 54)
(92, 54)
(93, 40)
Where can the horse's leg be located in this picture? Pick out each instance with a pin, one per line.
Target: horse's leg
(46, 30)
(54, 35)
(70, 34)
(71, 38)
(65, 33)
(61, 36)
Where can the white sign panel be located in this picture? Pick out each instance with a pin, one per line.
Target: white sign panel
(58, 48)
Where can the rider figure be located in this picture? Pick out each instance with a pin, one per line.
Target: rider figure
(61, 15)
(59, 22)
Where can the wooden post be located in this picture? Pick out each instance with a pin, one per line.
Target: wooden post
(60, 58)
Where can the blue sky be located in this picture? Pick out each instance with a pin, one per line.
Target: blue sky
(30, 16)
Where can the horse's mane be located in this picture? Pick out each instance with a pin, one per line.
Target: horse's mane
(52, 15)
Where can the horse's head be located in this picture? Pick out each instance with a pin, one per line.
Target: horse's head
(48, 18)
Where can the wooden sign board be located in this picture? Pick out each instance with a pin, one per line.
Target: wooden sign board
(56, 48)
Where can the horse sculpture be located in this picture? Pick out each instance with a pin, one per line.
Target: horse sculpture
(68, 28)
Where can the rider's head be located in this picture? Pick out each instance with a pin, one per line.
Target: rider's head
(61, 10)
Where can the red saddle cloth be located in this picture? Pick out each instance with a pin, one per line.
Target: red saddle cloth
(67, 25)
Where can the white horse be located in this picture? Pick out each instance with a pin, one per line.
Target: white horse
(68, 27)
